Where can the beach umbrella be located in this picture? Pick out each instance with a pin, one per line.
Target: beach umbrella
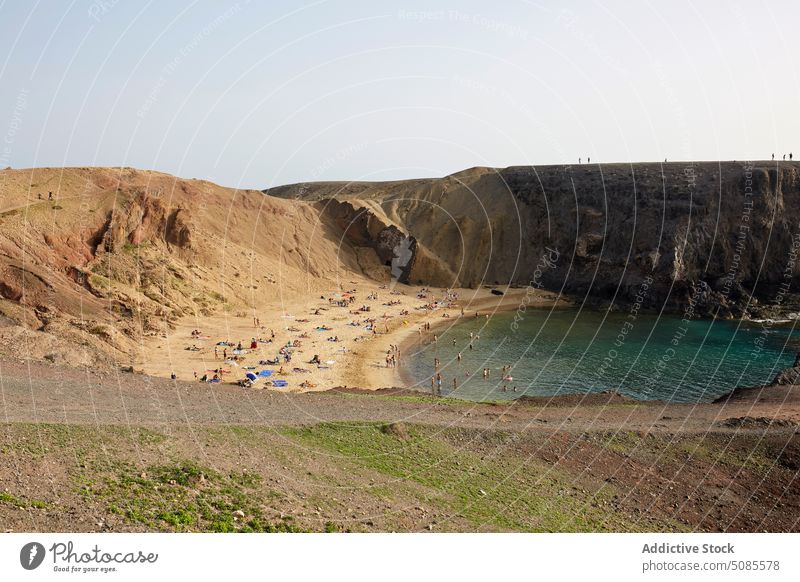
(252, 377)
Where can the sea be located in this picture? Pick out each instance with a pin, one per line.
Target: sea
(546, 352)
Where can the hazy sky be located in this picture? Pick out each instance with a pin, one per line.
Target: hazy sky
(254, 94)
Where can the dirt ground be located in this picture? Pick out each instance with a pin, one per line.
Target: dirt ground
(86, 451)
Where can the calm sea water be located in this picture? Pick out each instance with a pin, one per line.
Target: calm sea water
(579, 351)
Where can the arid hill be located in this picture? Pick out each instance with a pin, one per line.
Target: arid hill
(718, 232)
(120, 254)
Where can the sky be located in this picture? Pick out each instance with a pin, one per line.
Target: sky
(257, 94)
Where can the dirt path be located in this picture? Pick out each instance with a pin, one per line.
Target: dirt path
(42, 393)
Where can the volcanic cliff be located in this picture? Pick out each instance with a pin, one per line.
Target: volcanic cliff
(711, 237)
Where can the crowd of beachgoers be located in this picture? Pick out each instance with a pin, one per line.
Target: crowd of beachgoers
(302, 351)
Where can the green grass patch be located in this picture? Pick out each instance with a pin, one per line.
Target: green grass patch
(504, 492)
(21, 502)
(182, 496)
(100, 282)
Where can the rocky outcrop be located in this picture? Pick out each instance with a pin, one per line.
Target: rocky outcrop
(145, 219)
(362, 228)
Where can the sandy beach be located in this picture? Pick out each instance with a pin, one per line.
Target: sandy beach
(309, 324)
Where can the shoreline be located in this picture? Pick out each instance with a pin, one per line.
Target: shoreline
(407, 336)
(510, 301)
(358, 361)
(323, 324)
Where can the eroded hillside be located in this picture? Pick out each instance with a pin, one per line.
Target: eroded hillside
(721, 234)
(121, 254)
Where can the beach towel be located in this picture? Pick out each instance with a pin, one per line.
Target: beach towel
(265, 373)
(280, 383)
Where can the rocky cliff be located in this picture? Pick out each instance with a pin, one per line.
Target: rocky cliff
(709, 237)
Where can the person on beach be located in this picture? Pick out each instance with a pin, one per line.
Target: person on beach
(439, 383)
(454, 342)
(458, 357)
(455, 384)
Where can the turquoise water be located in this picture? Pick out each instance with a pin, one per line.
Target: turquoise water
(578, 351)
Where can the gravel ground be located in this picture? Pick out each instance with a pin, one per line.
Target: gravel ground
(86, 451)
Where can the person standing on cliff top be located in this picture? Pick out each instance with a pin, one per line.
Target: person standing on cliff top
(773, 157)
(790, 156)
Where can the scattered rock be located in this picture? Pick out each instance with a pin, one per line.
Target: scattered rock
(397, 430)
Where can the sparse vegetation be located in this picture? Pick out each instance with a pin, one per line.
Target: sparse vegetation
(182, 496)
(500, 493)
(20, 502)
